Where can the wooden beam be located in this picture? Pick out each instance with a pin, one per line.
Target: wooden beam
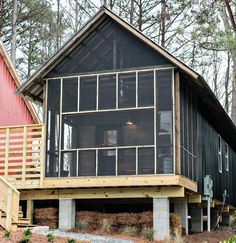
(195, 198)
(102, 193)
(120, 181)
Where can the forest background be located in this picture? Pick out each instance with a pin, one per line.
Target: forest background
(200, 33)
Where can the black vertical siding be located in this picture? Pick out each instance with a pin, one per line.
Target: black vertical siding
(206, 137)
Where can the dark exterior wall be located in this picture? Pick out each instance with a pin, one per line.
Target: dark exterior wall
(108, 47)
(13, 110)
(206, 140)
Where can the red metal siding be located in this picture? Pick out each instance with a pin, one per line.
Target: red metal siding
(13, 110)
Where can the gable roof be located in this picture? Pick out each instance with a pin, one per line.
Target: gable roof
(17, 80)
(33, 87)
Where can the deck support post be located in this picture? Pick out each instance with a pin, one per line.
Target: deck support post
(196, 219)
(161, 218)
(182, 209)
(30, 210)
(66, 214)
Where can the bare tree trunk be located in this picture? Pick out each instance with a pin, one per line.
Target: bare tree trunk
(140, 15)
(58, 25)
(14, 32)
(227, 78)
(233, 111)
(163, 22)
(131, 11)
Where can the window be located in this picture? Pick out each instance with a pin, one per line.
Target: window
(88, 93)
(127, 90)
(226, 157)
(219, 154)
(70, 94)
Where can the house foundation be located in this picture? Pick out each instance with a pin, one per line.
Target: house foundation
(161, 221)
(182, 209)
(66, 214)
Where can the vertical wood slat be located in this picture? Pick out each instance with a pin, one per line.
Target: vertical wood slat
(24, 153)
(6, 152)
(42, 155)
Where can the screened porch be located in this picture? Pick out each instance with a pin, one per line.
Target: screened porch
(110, 124)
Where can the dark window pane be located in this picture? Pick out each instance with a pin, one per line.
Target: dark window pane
(127, 90)
(107, 92)
(164, 160)
(68, 164)
(87, 163)
(145, 161)
(88, 91)
(127, 161)
(107, 162)
(145, 88)
(70, 94)
(53, 127)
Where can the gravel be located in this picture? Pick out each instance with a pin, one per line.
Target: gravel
(88, 237)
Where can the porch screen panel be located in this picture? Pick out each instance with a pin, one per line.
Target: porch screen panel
(68, 164)
(127, 90)
(53, 128)
(88, 93)
(109, 129)
(145, 161)
(127, 161)
(70, 94)
(145, 88)
(87, 163)
(107, 162)
(164, 115)
(107, 92)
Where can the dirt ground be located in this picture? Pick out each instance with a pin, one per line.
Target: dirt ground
(205, 237)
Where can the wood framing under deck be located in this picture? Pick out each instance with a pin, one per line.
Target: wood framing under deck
(121, 181)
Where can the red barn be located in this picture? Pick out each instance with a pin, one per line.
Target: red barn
(14, 110)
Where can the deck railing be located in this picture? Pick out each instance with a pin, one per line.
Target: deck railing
(22, 155)
(9, 204)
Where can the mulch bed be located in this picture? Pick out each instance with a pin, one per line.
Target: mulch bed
(46, 216)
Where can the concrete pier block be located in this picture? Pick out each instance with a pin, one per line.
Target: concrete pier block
(66, 214)
(197, 219)
(161, 218)
(182, 209)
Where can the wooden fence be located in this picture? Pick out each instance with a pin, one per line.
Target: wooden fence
(22, 155)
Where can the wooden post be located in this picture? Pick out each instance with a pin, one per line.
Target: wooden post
(6, 152)
(24, 154)
(30, 210)
(177, 124)
(9, 209)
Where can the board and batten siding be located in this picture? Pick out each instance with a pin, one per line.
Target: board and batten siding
(201, 141)
(13, 110)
